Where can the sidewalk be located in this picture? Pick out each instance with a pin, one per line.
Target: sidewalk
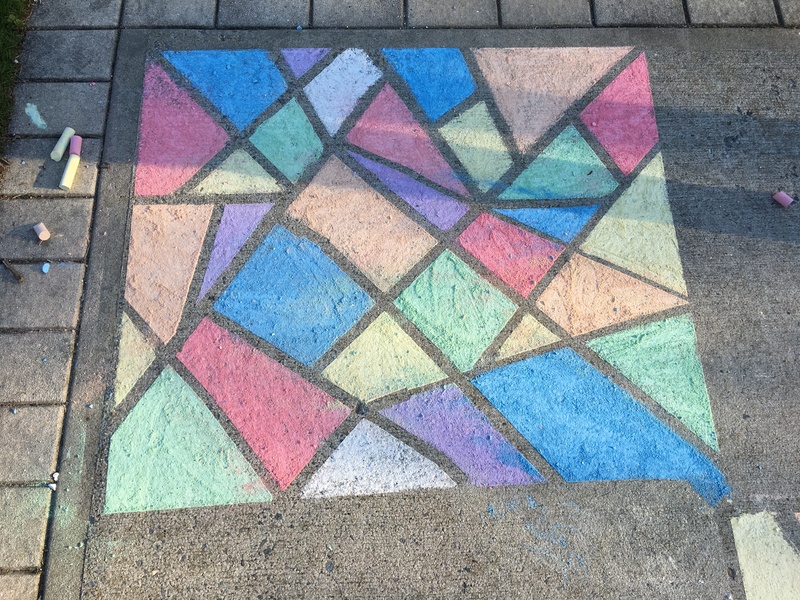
(726, 109)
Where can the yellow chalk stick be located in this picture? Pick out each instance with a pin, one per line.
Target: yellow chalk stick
(61, 144)
(69, 172)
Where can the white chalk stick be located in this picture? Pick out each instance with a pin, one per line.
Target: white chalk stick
(41, 232)
(62, 143)
(68, 177)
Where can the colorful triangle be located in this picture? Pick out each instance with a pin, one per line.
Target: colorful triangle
(240, 83)
(238, 174)
(623, 118)
(170, 452)
(372, 461)
(165, 243)
(446, 420)
(529, 335)
(563, 223)
(567, 168)
(382, 360)
(176, 136)
(637, 233)
(136, 354)
(440, 209)
(238, 222)
(300, 60)
(592, 429)
(585, 296)
(288, 140)
(439, 78)
(661, 359)
(474, 139)
(388, 129)
(534, 86)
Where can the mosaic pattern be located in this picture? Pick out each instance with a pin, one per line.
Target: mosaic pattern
(361, 230)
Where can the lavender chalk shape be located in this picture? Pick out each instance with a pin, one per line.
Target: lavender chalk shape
(237, 224)
(300, 60)
(783, 199)
(440, 209)
(449, 422)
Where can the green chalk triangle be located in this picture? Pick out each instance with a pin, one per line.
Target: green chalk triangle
(170, 452)
(661, 359)
(567, 168)
(238, 174)
(288, 140)
(476, 142)
(382, 360)
(637, 233)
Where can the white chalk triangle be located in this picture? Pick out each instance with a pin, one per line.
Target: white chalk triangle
(372, 461)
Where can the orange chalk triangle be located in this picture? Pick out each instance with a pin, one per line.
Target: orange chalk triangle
(164, 247)
(533, 87)
(586, 295)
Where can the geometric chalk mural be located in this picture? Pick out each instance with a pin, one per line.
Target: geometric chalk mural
(411, 270)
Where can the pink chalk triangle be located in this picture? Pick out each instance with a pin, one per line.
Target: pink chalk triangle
(623, 118)
(387, 128)
(238, 222)
(176, 136)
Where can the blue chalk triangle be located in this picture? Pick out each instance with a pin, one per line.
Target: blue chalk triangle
(240, 83)
(562, 223)
(438, 77)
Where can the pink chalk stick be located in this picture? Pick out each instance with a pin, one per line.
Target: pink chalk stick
(75, 143)
(783, 199)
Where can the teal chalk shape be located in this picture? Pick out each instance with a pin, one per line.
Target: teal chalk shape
(562, 223)
(567, 168)
(288, 140)
(438, 77)
(590, 429)
(240, 83)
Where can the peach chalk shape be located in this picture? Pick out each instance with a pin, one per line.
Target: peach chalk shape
(585, 296)
(374, 235)
(534, 86)
(164, 247)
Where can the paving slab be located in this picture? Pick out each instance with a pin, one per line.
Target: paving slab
(19, 586)
(32, 173)
(790, 9)
(358, 13)
(144, 13)
(42, 300)
(444, 13)
(639, 12)
(64, 55)
(544, 13)
(449, 305)
(66, 220)
(45, 109)
(31, 436)
(23, 522)
(262, 13)
(732, 12)
(60, 14)
(36, 367)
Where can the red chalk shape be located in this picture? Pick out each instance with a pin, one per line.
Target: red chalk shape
(783, 199)
(75, 144)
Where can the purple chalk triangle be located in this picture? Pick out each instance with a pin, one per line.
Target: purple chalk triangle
(439, 209)
(301, 60)
(238, 222)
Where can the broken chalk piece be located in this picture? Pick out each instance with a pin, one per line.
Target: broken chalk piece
(68, 177)
(52, 486)
(783, 199)
(41, 231)
(75, 145)
(61, 144)
(46, 269)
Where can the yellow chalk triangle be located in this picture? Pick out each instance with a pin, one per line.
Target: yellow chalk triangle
(238, 174)
(528, 335)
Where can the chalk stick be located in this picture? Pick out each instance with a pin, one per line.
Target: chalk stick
(783, 199)
(61, 144)
(75, 144)
(41, 232)
(69, 172)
